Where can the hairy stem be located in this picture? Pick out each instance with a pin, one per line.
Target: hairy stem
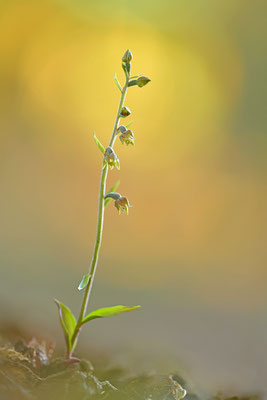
(100, 222)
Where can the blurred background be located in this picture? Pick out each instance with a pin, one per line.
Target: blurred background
(192, 251)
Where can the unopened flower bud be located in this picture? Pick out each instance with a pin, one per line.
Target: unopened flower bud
(142, 81)
(125, 112)
(127, 58)
(111, 158)
(127, 137)
(122, 205)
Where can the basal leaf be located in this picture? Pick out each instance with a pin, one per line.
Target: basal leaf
(108, 312)
(101, 147)
(67, 320)
(84, 281)
(111, 190)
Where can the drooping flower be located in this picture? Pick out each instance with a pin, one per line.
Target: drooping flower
(111, 158)
(122, 205)
(127, 137)
(121, 202)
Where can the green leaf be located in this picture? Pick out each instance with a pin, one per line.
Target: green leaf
(129, 123)
(101, 147)
(84, 281)
(117, 82)
(67, 320)
(125, 69)
(108, 312)
(114, 187)
(117, 164)
(136, 76)
(126, 66)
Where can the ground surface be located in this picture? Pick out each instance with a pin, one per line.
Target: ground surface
(29, 371)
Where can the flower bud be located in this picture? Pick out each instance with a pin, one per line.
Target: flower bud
(127, 137)
(127, 58)
(126, 68)
(122, 205)
(125, 112)
(142, 81)
(133, 82)
(111, 158)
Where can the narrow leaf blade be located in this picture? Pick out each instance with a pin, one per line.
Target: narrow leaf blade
(108, 312)
(84, 281)
(114, 187)
(117, 82)
(129, 123)
(101, 147)
(67, 320)
(135, 76)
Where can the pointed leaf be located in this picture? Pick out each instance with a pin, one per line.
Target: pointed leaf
(108, 312)
(111, 190)
(67, 320)
(84, 281)
(129, 123)
(117, 164)
(117, 82)
(135, 76)
(101, 147)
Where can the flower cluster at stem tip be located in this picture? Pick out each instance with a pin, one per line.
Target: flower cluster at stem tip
(125, 135)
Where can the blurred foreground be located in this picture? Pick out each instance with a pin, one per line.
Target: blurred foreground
(29, 371)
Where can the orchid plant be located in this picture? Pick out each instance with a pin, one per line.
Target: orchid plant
(70, 326)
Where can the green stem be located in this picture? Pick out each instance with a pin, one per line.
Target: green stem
(100, 222)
